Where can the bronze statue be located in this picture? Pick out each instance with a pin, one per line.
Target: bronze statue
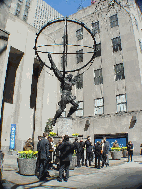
(66, 86)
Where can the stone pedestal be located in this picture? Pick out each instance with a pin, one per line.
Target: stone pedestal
(64, 127)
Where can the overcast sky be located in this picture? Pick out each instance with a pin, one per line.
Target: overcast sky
(67, 7)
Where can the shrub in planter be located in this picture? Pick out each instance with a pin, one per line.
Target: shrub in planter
(27, 162)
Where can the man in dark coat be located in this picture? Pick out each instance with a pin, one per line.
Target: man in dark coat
(98, 149)
(130, 150)
(88, 151)
(66, 151)
(77, 150)
(43, 149)
(82, 146)
(50, 139)
(105, 153)
(38, 158)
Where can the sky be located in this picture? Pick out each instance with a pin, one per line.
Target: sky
(67, 7)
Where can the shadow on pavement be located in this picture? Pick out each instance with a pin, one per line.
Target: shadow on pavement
(4, 184)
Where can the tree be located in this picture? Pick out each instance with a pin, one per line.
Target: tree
(49, 126)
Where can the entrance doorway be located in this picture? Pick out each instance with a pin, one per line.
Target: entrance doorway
(122, 138)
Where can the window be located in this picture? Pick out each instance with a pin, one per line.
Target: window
(99, 106)
(80, 111)
(98, 78)
(116, 44)
(140, 44)
(79, 34)
(98, 49)
(95, 28)
(119, 71)
(121, 103)
(79, 83)
(27, 3)
(79, 56)
(25, 17)
(26, 9)
(136, 22)
(18, 9)
(113, 21)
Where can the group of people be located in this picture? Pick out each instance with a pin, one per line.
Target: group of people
(64, 151)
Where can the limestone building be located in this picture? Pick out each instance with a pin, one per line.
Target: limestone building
(34, 12)
(109, 92)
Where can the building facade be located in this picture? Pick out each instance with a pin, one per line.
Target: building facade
(35, 12)
(109, 90)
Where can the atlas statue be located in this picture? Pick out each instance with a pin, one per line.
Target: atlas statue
(67, 81)
(66, 87)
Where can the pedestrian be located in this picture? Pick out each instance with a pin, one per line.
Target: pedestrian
(82, 146)
(130, 149)
(88, 151)
(51, 149)
(98, 149)
(105, 153)
(38, 157)
(66, 151)
(92, 155)
(58, 154)
(77, 150)
(43, 149)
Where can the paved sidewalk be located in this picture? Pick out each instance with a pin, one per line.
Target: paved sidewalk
(14, 179)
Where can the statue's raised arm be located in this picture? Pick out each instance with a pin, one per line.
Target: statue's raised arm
(57, 73)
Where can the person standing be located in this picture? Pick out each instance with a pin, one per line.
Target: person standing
(38, 157)
(82, 146)
(105, 153)
(77, 150)
(130, 148)
(51, 149)
(43, 149)
(88, 151)
(66, 151)
(98, 149)
(58, 154)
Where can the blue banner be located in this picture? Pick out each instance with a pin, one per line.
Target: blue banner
(12, 136)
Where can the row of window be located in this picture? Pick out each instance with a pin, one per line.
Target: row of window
(96, 28)
(18, 9)
(119, 74)
(98, 78)
(99, 106)
(116, 47)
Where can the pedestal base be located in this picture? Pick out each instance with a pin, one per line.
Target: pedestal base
(63, 126)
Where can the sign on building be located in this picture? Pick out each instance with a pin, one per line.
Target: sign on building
(12, 136)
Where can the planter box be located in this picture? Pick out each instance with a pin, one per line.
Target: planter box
(125, 153)
(73, 162)
(116, 154)
(26, 166)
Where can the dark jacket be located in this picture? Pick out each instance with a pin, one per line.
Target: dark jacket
(130, 148)
(98, 149)
(66, 151)
(76, 146)
(82, 145)
(43, 149)
(106, 147)
(88, 146)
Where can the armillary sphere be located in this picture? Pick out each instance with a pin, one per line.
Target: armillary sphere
(65, 45)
